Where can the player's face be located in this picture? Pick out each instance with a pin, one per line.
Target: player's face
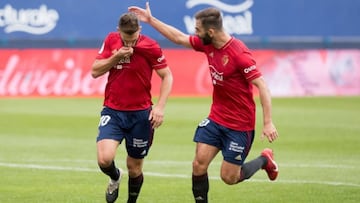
(202, 33)
(129, 40)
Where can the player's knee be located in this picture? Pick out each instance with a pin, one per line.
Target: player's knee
(134, 166)
(104, 162)
(134, 170)
(229, 179)
(198, 167)
(195, 164)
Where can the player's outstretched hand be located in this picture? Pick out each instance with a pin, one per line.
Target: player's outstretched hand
(143, 14)
(269, 132)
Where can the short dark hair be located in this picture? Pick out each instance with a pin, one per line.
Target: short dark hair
(129, 23)
(210, 18)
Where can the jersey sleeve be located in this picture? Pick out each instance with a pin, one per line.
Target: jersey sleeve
(157, 59)
(196, 43)
(248, 67)
(105, 51)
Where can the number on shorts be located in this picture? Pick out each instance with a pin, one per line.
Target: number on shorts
(104, 120)
(204, 122)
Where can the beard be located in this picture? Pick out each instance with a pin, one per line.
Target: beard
(206, 40)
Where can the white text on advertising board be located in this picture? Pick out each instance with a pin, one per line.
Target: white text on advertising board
(33, 21)
(236, 20)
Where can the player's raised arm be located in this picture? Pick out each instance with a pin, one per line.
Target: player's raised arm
(170, 32)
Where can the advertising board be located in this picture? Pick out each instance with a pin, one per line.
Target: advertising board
(66, 72)
(263, 21)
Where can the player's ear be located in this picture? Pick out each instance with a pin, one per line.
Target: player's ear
(210, 32)
(118, 29)
(140, 28)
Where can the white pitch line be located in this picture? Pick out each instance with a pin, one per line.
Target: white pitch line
(184, 163)
(44, 167)
(164, 175)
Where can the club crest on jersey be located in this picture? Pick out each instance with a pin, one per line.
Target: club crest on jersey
(225, 60)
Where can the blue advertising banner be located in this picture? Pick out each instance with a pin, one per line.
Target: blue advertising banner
(72, 21)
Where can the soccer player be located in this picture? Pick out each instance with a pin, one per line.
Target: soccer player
(129, 58)
(230, 125)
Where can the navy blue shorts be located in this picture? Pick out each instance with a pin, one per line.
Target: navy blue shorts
(234, 145)
(133, 126)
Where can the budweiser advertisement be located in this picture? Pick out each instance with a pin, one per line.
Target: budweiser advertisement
(66, 72)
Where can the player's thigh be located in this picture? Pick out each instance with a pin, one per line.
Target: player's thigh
(203, 156)
(205, 153)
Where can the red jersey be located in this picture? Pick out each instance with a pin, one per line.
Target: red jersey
(129, 82)
(232, 68)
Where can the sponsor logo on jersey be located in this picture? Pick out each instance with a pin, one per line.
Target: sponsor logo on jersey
(161, 58)
(247, 70)
(217, 77)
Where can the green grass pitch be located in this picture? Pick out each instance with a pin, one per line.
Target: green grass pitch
(48, 153)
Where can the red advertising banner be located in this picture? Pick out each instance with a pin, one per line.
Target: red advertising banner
(66, 72)
(311, 72)
(53, 72)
